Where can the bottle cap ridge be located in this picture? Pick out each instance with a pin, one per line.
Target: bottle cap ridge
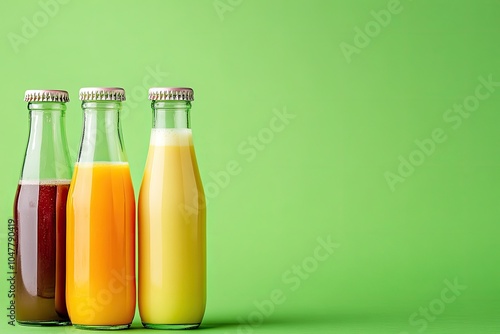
(102, 94)
(171, 94)
(46, 95)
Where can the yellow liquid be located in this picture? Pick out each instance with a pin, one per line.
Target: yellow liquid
(171, 233)
(100, 265)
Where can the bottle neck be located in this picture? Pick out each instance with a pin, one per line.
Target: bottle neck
(102, 136)
(47, 154)
(171, 114)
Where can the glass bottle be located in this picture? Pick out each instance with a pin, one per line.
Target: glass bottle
(40, 213)
(171, 220)
(101, 291)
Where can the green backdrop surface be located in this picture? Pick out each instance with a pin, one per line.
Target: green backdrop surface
(349, 149)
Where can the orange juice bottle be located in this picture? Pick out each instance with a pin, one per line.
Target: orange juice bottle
(100, 265)
(172, 265)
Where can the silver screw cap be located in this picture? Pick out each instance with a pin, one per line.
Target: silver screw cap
(102, 94)
(46, 95)
(171, 94)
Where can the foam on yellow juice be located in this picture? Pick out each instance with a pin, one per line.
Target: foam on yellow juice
(100, 289)
(171, 232)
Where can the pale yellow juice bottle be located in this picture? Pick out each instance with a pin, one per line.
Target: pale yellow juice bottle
(172, 214)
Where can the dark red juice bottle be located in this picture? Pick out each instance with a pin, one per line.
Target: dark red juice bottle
(40, 213)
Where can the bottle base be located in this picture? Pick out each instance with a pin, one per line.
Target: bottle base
(170, 326)
(101, 327)
(44, 323)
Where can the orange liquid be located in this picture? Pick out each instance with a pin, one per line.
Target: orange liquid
(100, 271)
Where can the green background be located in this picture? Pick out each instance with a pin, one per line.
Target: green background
(354, 116)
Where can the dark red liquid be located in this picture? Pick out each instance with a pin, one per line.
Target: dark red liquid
(40, 215)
